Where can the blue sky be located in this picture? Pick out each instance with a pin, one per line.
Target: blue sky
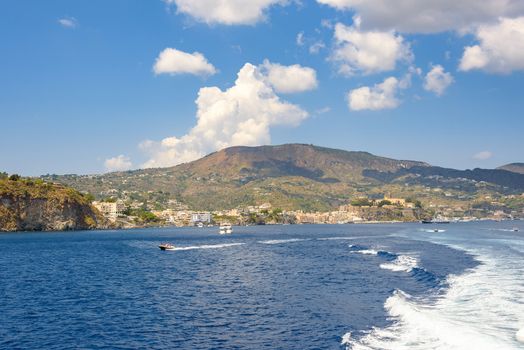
(80, 93)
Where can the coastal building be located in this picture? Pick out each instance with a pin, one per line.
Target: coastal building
(203, 217)
(110, 210)
(175, 217)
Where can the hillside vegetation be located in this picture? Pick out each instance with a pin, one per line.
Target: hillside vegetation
(34, 205)
(294, 176)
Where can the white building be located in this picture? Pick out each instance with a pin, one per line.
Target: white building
(110, 210)
(201, 217)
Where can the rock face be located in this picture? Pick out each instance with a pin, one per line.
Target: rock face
(27, 205)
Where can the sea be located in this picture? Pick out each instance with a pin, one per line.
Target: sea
(383, 286)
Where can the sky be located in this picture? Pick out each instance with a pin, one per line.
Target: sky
(92, 86)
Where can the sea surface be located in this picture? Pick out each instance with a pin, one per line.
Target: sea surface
(387, 286)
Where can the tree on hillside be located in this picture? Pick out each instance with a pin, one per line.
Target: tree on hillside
(14, 177)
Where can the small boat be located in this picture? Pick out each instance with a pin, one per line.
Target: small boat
(515, 229)
(225, 229)
(200, 225)
(166, 246)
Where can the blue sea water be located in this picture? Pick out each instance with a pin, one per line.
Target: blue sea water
(395, 286)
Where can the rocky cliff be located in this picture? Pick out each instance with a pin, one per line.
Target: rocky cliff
(28, 205)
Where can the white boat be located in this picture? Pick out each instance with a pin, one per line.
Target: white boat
(515, 229)
(225, 229)
(200, 225)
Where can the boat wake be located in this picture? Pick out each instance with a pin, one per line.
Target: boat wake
(403, 263)
(207, 246)
(481, 309)
(358, 249)
(283, 241)
(339, 238)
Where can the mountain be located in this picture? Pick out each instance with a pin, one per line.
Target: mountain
(513, 167)
(292, 176)
(28, 205)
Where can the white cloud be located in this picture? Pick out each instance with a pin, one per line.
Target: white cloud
(229, 12)
(380, 96)
(119, 163)
(316, 47)
(428, 16)
(289, 79)
(240, 115)
(437, 80)
(368, 51)
(68, 22)
(323, 110)
(300, 39)
(173, 61)
(483, 155)
(500, 48)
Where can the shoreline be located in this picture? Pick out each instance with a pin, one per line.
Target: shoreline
(115, 229)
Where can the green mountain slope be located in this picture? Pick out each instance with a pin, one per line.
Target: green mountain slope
(293, 176)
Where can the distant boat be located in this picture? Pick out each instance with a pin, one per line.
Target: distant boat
(437, 220)
(166, 246)
(200, 225)
(225, 229)
(515, 229)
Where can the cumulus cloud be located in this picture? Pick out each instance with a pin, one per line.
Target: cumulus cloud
(240, 115)
(483, 155)
(500, 48)
(359, 51)
(173, 61)
(119, 163)
(437, 80)
(68, 22)
(228, 12)
(428, 16)
(380, 96)
(289, 79)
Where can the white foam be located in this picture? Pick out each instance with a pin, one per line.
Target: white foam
(364, 251)
(208, 246)
(404, 263)
(346, 339)
(482, 309)
(520, 335)
(282, 241)
(337, 238)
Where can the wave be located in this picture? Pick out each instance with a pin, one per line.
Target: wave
(362, 250)
(282, 241)
(358, 249)
(208, 246)
(434, 231)
(338, 238)
(419, 326)
(481, 309)
(404, 263)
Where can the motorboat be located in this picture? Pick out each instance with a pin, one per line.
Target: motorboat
(166, 246)
(225, 229)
